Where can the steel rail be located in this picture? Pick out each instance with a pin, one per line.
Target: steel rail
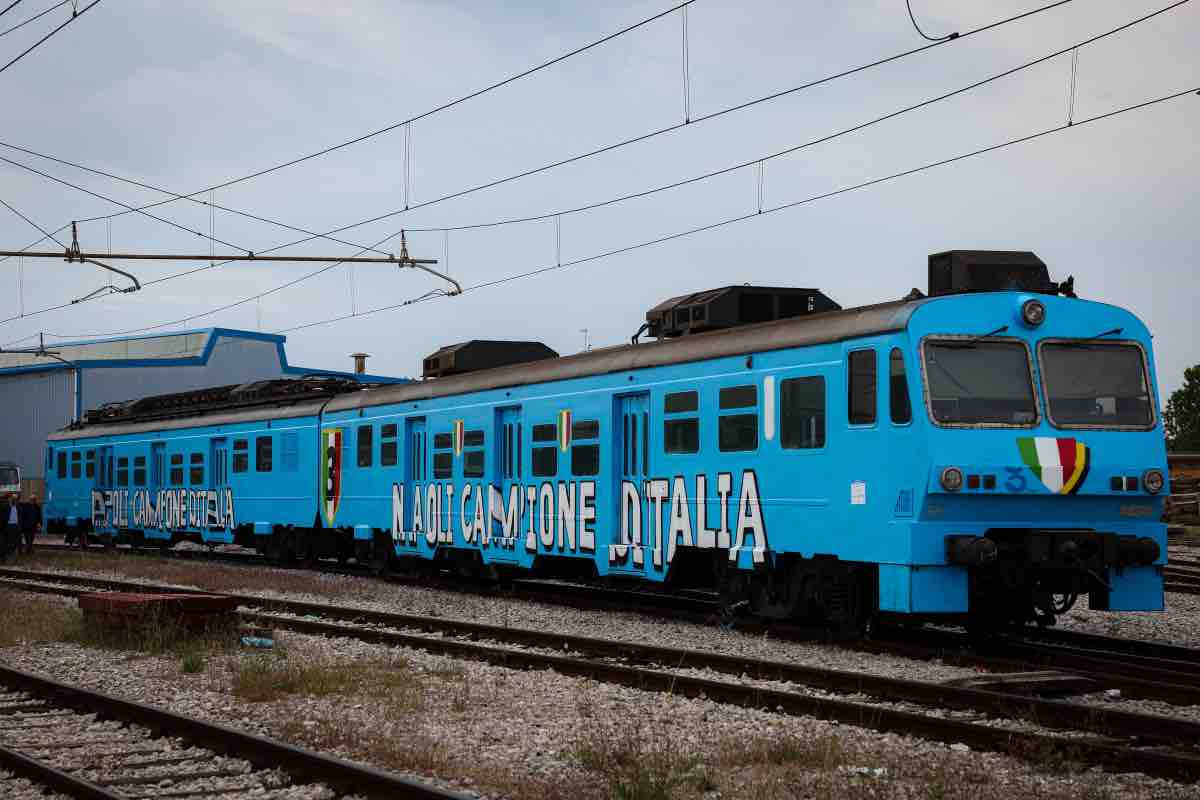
(1170, 678)
(1139, 728)
(51, 778)
(343, 776)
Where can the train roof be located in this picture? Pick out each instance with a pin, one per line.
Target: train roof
(810, 329)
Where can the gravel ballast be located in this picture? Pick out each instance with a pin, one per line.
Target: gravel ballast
(502, 732)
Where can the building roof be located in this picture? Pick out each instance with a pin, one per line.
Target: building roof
(177, 348)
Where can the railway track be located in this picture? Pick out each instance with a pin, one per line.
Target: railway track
(94, 746)
(1120, 664)
(1091, 734)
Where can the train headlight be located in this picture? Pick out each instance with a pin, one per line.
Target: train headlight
(1033, 312)
(1153, 480)
(952, 479)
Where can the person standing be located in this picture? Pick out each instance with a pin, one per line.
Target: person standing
(31, 520)
(12, 525)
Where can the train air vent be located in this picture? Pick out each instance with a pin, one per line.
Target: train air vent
(477, 354)
(958, 271)
(731, 306)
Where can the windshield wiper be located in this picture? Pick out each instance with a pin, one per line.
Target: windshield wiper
(1115, 331)
(974, 339)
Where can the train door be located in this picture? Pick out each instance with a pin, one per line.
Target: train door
(215, 521)
(416, 473)
(509, 471)
(628, 551)
(157, 481)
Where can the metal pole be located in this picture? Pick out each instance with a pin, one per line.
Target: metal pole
(78, 256)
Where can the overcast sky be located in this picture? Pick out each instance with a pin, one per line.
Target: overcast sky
(186, 95)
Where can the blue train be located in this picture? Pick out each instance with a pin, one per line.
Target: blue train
(989, 449)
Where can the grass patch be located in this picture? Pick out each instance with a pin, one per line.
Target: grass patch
(25, 619)
(266, 677)
(634, 763)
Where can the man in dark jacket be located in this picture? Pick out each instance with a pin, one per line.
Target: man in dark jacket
(9, 527)
(30, 515)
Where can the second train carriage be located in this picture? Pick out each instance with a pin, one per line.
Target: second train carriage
(993, 448)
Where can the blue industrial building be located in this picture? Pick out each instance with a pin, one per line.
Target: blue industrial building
(42, 391)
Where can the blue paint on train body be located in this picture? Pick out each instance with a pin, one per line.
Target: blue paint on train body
(829, 450)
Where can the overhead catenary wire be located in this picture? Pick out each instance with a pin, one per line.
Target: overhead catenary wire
(645, 136)
(775, 209)
(598, 151)
(444, 106)
(688, 232)
(10, 7)
(741, 165)
(143, 185)
(31, 222)
(35, 17)
(74, 16)
(97, 195)
(911, 16)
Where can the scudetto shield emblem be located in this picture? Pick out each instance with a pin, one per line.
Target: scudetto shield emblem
(1060, 464)
(331, 473)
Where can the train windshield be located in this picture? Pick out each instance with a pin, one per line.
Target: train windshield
(979, 381)
(8, 476)
(1096, 384)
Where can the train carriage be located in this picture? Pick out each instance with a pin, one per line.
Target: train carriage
(990, 449)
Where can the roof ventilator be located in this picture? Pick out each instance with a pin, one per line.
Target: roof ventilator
(477, 354)
(731, 307)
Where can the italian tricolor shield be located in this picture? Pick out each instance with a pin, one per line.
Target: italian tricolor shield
(1060, 464)
(331, 473)
(564, 429)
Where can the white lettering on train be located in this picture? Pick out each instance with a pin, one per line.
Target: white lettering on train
(658, 515)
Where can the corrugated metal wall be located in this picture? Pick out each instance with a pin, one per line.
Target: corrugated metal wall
(37, 403)
(32, 405)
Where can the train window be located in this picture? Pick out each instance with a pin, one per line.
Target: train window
(802, 413)
(737, 432)
(442, 441)
(861, 381)
(979, 381)
(262, 454)
(473, 439)
(196, 469)
(177, 469)
(739, 396)
(290, 443)
(898, 389)
(139, 471)
(366, 444)
(545, 433)
(585, 429)
(62, 464)
(241, 455)
(122, 471)
(1096, 385)
(76, 464)
(442, 464)
(680, 402)
(473, 463)
(89, 465)
(387, 445)
(545, 460)
(585, 459)
(681, 435)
